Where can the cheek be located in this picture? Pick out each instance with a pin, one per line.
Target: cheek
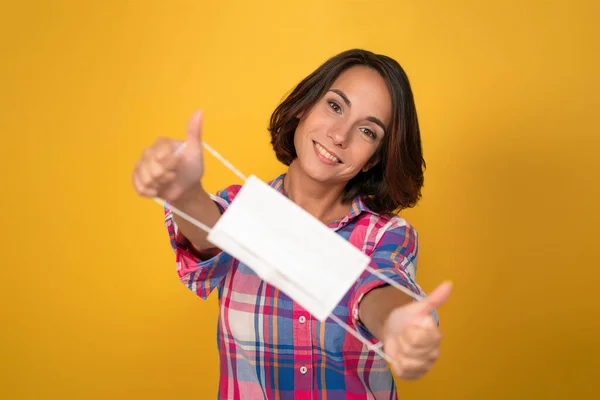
(317, 122)
(362, 155)
(299, 134)
(302, 129)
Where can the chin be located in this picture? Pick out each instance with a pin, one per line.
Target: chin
(315, 171)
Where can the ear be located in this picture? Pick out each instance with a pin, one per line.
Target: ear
(300, 114)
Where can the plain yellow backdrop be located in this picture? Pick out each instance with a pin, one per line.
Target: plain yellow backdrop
(507, 95)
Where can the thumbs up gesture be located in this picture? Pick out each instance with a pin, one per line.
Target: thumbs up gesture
(412, 338)
(171, 168)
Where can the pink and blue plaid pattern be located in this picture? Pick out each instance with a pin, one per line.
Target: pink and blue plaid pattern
(270, 347)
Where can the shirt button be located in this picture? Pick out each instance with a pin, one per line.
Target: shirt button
(302, 319)
(303, 370)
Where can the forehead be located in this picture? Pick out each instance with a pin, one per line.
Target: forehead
(367, 90)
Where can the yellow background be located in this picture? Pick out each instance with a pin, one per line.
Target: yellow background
(507, 95)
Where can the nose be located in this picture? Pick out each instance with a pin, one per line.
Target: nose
(339, 135)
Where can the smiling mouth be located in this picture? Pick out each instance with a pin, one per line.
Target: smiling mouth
(325, 153)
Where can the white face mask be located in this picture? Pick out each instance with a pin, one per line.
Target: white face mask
(289, 248)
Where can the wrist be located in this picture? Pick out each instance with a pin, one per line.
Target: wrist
(192, 195)
(379, 309)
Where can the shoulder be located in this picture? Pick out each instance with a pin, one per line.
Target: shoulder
(390, 235)
(387, 227)
(225, 196)
(396, 241)
(228, 193)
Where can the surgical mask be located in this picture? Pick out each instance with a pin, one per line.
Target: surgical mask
(310, 263)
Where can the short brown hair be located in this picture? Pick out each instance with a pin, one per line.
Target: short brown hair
(395, 182)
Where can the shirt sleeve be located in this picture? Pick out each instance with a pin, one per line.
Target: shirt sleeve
(201, 271)
(395, 256)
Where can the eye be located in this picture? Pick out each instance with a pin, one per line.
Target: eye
(369, 133)
(334, 106)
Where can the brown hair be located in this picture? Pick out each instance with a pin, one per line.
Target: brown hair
(395, 182)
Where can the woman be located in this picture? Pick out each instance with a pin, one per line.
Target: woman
(350, 138)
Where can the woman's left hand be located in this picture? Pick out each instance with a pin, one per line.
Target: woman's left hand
(411, 336)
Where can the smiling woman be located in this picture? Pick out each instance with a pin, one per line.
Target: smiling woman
(341, 127)
(349, 135)
(372, 92)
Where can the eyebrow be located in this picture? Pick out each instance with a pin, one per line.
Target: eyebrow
(378, 122)
(349, 104)
(342, 95)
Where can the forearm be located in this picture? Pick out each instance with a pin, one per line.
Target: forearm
(197, 204)
(376, 306)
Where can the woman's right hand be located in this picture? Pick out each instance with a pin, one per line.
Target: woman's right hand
(167, 170)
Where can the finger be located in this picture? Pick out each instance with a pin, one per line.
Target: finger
(161, 173)
(162, 150)
(165, 151)
(391, 348)
(145, 177)
(178, 147)
(427, 324)
(420, 337)
(420, 349)
(408, 350)
(148, 153)
(436, 298)
(172, 192)
(166, 178)
(410, 368)
(194, 130)
(142, 189)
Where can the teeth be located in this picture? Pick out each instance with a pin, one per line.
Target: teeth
(326, 154)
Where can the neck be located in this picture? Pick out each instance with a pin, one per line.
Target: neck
(323, 201)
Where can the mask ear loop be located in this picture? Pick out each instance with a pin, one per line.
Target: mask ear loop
(182, 214)
(377, 348)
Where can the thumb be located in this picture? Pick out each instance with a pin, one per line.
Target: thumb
(194, 130)
(436, 298)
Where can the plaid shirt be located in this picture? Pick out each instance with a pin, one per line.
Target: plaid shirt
(269, 346)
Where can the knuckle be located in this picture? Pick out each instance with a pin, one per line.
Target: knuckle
(147, 180)
(147, 153)
(168, 177)
(412, 339)
(156, 170)
(158, 142)
(162, 153)
(163, 146)
(406, 369)
(404, 347)
(142, 190)
(399, 369)
(136, 184)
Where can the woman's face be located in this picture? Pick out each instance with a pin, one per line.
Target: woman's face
(337, 137)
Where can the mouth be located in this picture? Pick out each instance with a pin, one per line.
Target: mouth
(326, 154)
